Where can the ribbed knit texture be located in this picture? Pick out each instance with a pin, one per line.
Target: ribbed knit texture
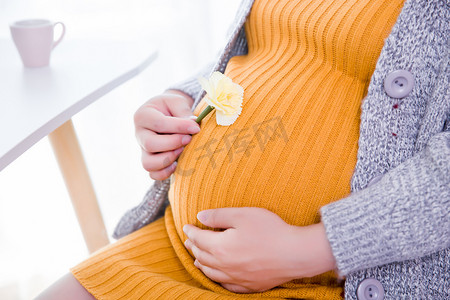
(292, 150)
(145, 265)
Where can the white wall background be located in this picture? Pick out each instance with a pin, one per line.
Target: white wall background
(39, 234)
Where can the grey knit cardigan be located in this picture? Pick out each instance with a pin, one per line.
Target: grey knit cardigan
(394, 227)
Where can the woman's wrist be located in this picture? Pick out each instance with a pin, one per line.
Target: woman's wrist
(312, 251)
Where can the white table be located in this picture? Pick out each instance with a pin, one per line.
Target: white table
(38, 102)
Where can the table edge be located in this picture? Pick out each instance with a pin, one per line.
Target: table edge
(67, 114)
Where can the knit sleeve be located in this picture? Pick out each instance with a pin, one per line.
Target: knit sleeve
(405, 215)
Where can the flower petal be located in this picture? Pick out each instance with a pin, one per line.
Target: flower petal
(224, 95)
(225, 119)
(205, 83)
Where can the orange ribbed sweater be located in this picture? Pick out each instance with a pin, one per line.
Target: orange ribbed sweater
(293, 148)
(291, 151)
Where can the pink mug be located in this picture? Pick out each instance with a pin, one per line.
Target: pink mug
(34, 40)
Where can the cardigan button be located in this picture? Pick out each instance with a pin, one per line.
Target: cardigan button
(399, 83)
(370, 289)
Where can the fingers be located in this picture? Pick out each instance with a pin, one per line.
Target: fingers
(159, 161)
(237, 288)
(148, 117)
(163, 128)
(203, 239)
(153, 143)
(224, 279)
(177, 109)
(228, 217)
(164, 173)
(212, 273)
(160, 165)
(204, 257)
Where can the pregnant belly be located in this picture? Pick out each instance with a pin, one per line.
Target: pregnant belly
(252, 164)
(227, 167)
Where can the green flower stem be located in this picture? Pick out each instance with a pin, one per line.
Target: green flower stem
(204, 113)
(200, 117)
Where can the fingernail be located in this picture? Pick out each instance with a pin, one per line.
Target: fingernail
(186, 139)
(185, 229)
(174, 165)
(193, 129)
(178, 151)
(203, 216)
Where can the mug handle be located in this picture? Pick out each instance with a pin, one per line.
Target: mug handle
(55, 43)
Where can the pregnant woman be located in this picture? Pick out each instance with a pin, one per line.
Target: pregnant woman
(333, 181)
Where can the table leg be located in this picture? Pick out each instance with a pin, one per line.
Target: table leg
(70, 159)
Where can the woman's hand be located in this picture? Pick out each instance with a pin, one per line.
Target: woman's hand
(257, 250)
(164, 125)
